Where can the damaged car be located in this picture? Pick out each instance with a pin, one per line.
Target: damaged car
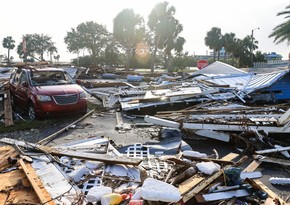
(45, 92)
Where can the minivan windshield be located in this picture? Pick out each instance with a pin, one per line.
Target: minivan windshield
(43, 78)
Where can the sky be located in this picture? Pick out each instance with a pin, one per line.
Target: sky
(57, 17)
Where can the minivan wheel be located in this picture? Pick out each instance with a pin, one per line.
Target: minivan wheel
(31, 112)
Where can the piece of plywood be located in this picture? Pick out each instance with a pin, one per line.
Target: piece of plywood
(16, 189)
(257, 184)
(36, 183)
(195, 184)
(253, 166)
(5, 153)
(22, 197)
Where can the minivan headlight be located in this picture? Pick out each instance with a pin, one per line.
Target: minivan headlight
(43, 98)
(83, 95)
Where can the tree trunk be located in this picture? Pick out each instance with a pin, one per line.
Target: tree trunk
(154, 54)
(8, 59)
(169, 63)
(214, 54)
(128, 58)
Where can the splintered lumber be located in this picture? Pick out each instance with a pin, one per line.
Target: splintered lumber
(16, 189)
(87, 156)
(56, 182)
(110, 159)
(267, 151)
(162, 122)
(253, 166)
(216, 127)
(213, 135)
(257, 184)
(284, 118)
(36, 183)
(51, 137)
(8, 119)
(195, 184)
(273, 160)
(5, 153)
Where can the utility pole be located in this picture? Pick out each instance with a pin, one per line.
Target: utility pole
(252, 44)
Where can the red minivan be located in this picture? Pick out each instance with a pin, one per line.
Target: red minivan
(44, 92)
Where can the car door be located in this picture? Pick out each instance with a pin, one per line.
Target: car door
(21, 89)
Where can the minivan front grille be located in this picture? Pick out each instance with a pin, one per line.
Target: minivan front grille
(66, 99)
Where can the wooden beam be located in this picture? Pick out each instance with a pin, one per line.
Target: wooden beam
(267, 151)
(195, 184)
(92, 156)
(256, 183)
(11, 194)
(8, 118)
(81, 155)
(51, 137)
(36, 183)
(5, 154)
(253, 166)
(273, 160)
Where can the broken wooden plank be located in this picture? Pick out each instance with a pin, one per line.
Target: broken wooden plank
(213, 135)
(111, 159)
(21, 197)
(16, 189)
(56, 182)
(253, 166)
(36, 183)
(8, 118)
(283, 119)
(229, 127)
(12, 178)
(6, 153)
(267, 151)
(272, 160)
(260, 117)
(195, 184)
(216, 127)
(221, 195)
(51, 137)
(258, 185)
(161, 122)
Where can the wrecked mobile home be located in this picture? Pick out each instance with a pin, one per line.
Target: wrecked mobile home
(206, 107)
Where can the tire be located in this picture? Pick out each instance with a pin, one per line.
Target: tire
(31, 112)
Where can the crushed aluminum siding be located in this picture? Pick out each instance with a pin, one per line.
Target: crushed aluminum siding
(56, 182)
(246, 83)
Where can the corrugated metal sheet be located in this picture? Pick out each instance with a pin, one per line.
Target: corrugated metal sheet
(248, 82)
(219, 68)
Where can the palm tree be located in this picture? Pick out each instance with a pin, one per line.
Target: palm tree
(52, 49)
(229, 43)
(213, 40)
(8, 43)
(173, 42)
(282, 31)
(160, 17)
(126, 29)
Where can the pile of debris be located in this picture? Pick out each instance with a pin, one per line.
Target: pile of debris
(92, 171)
